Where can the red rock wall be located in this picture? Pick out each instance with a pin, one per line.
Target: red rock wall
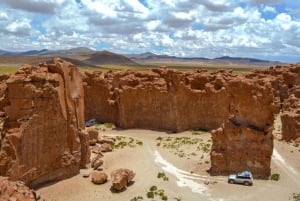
(45, 114)
(159, 99)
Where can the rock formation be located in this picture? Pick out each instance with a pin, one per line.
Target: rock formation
(245, 141)
(15, 190)
(171, 100)
(93, 135)
(43, 137)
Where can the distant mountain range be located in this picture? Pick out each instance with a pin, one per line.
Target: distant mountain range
(73, 51)
(83, 56)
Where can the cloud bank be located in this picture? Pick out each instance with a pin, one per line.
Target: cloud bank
(265, 29)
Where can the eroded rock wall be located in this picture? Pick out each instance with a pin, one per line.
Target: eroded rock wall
(285, 82)
(158, 99)
(44, 108)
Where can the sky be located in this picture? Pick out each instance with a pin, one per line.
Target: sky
(264, 29)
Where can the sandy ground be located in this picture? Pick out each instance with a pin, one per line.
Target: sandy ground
(186, 173)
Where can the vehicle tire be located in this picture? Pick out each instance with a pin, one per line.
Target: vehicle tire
(231, 181)
(247, 183)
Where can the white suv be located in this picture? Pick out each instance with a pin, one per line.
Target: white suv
(244, 177)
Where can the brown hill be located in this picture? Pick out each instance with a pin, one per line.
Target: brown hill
(108, 58)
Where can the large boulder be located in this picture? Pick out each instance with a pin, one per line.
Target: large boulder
(97, 161)
(121, 178)
(93, 135)
(99, 177)
(42, 138)
(105, 147)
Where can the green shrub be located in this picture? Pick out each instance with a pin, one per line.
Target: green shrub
(138, 198)
(161, 174)
(150, 194)
(109, 125)
(295, 197)
(164, 197)
(153, 188)
(275, 177)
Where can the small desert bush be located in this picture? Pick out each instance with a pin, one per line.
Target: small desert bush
(138, 198)
(109, 125)
(295, 197)
(275, 177)
(163, 176)
(150, 194)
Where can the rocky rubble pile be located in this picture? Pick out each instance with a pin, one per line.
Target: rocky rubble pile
(15, 190)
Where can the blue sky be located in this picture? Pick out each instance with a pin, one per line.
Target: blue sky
(265, 29)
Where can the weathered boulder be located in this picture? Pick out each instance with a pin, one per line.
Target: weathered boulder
(97, 150)
(97, 161)
(121, 178)
(99, 177)
(45, 117)
(15, 190)
(108, 140)
(93, 135)
(105, 147)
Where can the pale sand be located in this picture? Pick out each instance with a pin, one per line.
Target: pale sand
(188, 178)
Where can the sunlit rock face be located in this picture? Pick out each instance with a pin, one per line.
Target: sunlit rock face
(42, 134)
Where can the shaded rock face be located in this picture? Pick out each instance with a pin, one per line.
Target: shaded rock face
(290, 116)
(15, 190)
(43, 138)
